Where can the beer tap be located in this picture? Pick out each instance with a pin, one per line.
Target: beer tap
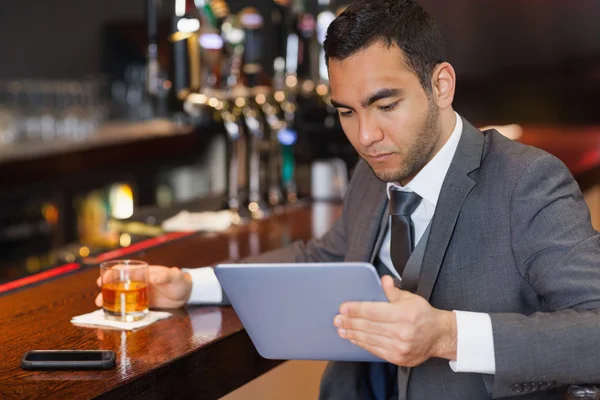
(237, 170)
(252, 22)
(234, 36)
(276, 125)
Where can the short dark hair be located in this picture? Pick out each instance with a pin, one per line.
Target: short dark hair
(402, 23)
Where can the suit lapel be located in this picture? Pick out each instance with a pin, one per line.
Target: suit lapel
(383, 225)
(455, 189)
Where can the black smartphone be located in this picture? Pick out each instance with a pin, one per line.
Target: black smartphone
(68, 359)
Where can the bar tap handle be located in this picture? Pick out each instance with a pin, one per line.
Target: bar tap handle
(255, 127)
(236, 166)
(275, 124)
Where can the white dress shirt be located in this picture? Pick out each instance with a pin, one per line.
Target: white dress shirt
(475, 341)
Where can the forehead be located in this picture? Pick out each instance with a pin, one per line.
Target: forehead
(375, 67)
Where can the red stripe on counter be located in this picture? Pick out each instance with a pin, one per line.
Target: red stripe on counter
(134, 248)
(42, 276)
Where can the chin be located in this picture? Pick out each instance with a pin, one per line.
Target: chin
(388, 175)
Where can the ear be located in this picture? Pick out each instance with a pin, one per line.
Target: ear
(443, 82)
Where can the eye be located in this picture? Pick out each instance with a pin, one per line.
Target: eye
(345, 113)
(389, 107)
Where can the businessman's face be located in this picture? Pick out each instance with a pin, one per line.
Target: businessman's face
(385, 112)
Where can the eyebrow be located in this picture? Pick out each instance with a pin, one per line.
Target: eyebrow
(380, 94)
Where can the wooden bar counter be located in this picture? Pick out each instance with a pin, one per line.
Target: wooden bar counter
(200, 352)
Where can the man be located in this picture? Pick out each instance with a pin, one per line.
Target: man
(490, 240)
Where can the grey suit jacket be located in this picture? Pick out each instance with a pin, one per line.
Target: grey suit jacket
(511, 236)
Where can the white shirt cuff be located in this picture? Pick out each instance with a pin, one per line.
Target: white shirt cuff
(206, 288)
(474, 343)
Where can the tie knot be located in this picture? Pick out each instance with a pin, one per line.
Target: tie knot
(403, 203)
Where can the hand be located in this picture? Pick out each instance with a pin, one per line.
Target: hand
(407, 331)
(169, 287)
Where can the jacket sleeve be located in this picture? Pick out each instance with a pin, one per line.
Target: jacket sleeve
(558, 252)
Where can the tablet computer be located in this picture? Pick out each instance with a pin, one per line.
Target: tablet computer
(288, 309)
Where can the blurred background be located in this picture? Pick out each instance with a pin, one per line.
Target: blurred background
(116, 115)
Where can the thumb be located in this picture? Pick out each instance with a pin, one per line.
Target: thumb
(391, 291)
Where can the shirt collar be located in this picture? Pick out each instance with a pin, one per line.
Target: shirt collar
(428, 182)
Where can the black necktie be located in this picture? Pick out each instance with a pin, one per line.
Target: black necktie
(402, 205)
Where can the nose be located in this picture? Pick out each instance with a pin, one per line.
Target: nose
(368, 131)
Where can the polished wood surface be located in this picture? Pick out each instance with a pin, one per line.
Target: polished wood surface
(200, 352)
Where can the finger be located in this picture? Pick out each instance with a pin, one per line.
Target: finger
(99, 300)
(368, 338)
(392, 293)
(99, 281)
(374, 311)
(364, 325)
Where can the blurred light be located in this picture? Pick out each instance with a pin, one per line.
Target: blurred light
(253, 206)
(32, 264)
(198, 98)
(260, 99)
(323, 70)
(219, 106)
(84, 251)
(232, 129)
(307, 25)
(125, 240)
(250, 18)
(289, 107)
(279, 96)
(188, 25)
(287, 137)
(322, 90)
(240, 102)
(273, 199)
(121, 201)
(258, 214)
(213, 102)
(308, 86)
(179, 36)
(50, 213)
(219, 8)
(211, 41)
(180, 8)
(291, 58)
(291, 81)
(234, 35)
(279, 64)
(324, 19)
(167, 85)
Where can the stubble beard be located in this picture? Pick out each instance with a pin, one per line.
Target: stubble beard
(419, 153)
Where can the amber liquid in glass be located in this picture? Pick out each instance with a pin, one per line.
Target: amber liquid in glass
(125, 301)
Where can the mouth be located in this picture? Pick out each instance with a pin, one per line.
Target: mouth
(379, 157)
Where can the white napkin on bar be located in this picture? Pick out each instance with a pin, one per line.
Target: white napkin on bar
(209, 221)
(96, 318)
